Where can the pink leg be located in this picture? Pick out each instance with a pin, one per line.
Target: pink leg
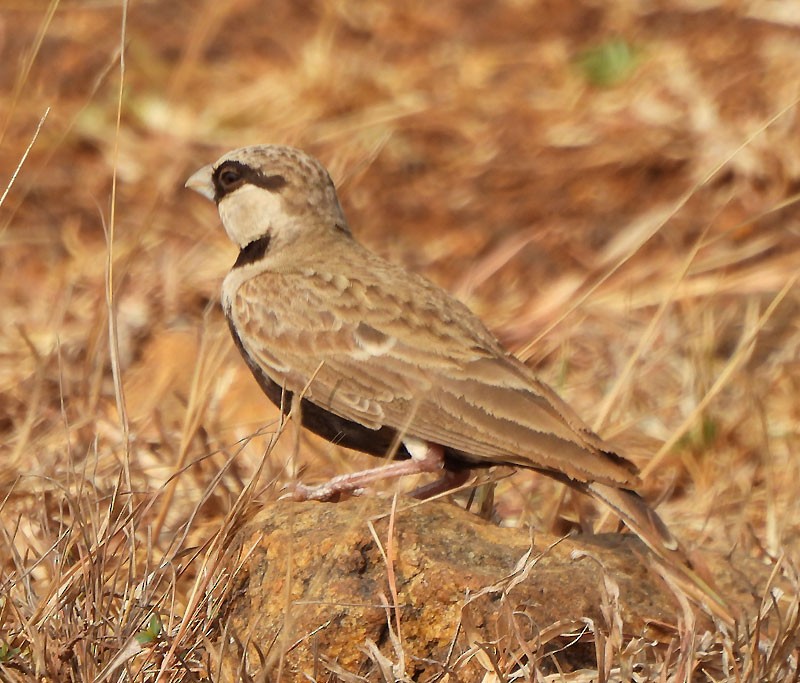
(432, 461)
(449, 480)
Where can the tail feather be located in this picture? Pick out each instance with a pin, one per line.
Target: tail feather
(639, 517)
(649, 527)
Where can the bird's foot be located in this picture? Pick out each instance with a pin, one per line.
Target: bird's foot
(329, 492)
(431, 460)
(450, 479)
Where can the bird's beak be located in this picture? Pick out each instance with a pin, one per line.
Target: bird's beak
(200, 181)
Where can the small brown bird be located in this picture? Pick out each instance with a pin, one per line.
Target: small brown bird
(386, 362)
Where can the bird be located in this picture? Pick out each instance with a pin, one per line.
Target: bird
(381, 360)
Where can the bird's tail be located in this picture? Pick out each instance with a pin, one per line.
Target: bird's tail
(648, 526)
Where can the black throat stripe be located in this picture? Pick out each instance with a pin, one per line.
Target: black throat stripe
(253, 252)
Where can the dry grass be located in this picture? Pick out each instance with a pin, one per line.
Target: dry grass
(638, 242)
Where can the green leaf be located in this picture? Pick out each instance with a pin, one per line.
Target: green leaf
(609, 63)
(152, 632)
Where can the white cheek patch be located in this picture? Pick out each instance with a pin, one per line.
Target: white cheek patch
(249, 212)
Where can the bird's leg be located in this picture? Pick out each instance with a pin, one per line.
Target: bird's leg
(449, 480)
(431, 460)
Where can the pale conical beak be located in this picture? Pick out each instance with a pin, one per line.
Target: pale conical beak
(200, 181)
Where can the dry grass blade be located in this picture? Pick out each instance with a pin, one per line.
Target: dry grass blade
(24, 157)
(388, 553)
(113, 332)
(741, 355)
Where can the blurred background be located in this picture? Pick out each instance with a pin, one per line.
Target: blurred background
(611, 187)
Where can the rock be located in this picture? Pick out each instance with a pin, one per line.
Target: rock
(316, 590)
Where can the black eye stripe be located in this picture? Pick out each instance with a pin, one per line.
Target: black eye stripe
(231, 175)
(273, 183)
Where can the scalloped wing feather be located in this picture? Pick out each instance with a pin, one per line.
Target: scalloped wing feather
(423, 365)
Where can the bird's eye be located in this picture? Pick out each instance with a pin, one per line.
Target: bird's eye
(229, 177)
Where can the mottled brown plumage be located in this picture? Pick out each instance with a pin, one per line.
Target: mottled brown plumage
(380, 353)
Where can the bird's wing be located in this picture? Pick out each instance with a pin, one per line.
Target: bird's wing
(416, 360)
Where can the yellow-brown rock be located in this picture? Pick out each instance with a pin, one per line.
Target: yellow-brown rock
(319, 584)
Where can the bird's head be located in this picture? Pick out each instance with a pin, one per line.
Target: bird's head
(270, 190)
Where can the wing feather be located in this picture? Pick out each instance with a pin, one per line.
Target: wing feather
(423, 363)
